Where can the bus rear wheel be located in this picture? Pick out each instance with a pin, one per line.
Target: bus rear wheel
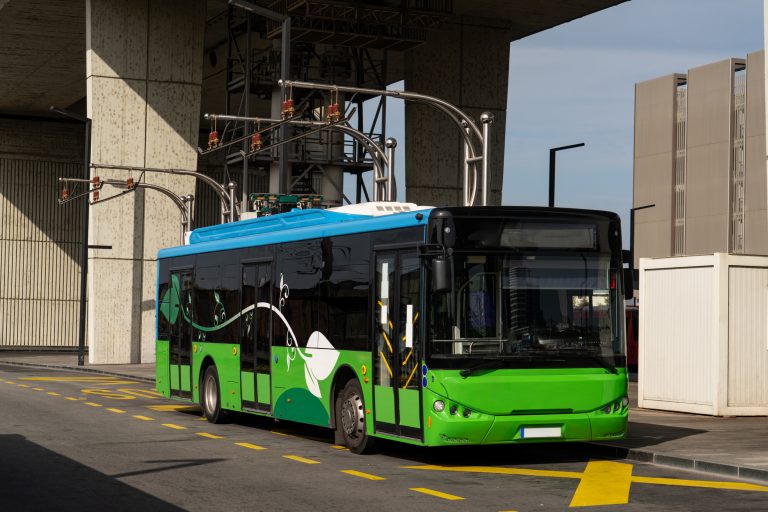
(350, 419)
(210, 396)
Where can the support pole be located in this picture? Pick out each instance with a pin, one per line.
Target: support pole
(84, 250)
(486, 118)
(391, 144)
(285, 67)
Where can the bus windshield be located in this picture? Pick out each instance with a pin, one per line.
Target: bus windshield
(528, 309)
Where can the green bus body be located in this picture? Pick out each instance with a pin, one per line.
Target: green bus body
(301, 380)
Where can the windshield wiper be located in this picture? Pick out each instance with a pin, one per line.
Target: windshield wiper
(594, 358)
(496, 362)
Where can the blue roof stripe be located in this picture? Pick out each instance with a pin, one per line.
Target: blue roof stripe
(289, 227)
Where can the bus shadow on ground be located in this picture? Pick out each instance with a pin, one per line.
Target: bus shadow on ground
(641, 435)
(35, 478)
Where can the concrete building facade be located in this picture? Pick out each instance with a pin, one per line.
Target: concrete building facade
(144, 71)
(700, 160)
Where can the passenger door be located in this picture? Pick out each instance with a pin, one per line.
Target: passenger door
(180, 370)
(397, 347)
(255, 345)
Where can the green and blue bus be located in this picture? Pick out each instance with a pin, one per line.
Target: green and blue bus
(430, 326)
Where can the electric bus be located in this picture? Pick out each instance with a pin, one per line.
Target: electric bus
(429, 326)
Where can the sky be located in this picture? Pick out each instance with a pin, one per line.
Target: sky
(575, 83)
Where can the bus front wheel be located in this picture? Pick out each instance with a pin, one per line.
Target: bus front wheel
(210, 396)
(350, 419)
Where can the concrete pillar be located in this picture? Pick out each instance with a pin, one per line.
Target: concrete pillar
(144, 76)
(467, 64)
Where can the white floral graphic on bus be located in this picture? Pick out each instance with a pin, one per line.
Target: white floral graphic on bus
(319, 355)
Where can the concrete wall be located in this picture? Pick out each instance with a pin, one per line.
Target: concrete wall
(465, 63)
(39, 240)
(708, 151)
(756, 213)
(144, 75)
(654, 162)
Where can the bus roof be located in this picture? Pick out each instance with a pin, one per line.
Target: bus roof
(292, 226)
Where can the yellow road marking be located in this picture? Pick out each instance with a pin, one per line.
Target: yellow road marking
(439, 494)
(281, 433)
(23, 385)
(367, 476)
(53, 393)
(603, 483)
(339, 447)
(93, 404)
(173, 407)
(251, 446)
(99, 380)
(118, 411)
(144, 418)
(209, 436)
(174, 426)
(500, 471)
(9, 382)
(706, 484)
(39, 389)
(71, 398)
(202, 418)
(301, 459)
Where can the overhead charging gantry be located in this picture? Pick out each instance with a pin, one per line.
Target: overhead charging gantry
(330, 118)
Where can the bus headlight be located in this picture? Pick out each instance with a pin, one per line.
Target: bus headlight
(438, 406)
(624, 401)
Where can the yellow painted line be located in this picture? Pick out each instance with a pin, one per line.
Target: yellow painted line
(166, 408)
(118, 411)
(53, 393)
(202, 418)
(251, 446)
(500, 471)
(301, 459)
(339, 447)
(174, 426)
(706, 484)
(9, 382)
(439, 494)
(144, 418)
(209, 436)
(39, 389)
(23, 385)
(360, 474)
(79, 379)
(71, 398)
(93, 404)
(603, 483)
(281, 433)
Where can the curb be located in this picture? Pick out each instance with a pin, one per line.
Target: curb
(759, 476)
(79, 369)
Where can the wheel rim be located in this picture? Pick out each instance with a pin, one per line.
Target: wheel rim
(352, 418)
(209, 395)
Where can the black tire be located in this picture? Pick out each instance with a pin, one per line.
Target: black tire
(351, 419)
(210, 396)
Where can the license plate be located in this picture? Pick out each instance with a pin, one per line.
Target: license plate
(540, 432)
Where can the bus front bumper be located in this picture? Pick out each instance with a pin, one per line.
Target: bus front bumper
(477, 428)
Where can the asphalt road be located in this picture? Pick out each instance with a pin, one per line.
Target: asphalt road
(74, 441)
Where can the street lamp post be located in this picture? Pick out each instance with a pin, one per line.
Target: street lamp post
(552, 152)
(632, 231)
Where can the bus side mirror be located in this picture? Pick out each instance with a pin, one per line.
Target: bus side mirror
(629, 283)
(441, 275)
